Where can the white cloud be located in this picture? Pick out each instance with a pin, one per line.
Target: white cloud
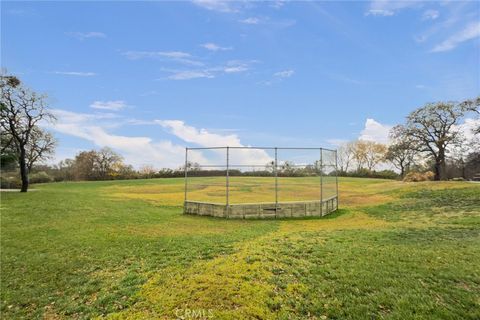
(163, 153)
(455, 16)
(76, 73)
(250, 20)
(471, 31)
(204, 138)
(176, 56)
(190, 74)
(218, 5)
(284, 73)
(235, 69)
(388, 8)
(135, 55)
(420, 86)
(372, 131)
(86, 35)
(235, 66)
(278, 4)
(375, 131)
(215, 47)
(93, 128)
(230, 67)
(379, 12)
(199, 136)
(278, 77)
(467, 128)
(109, 105)
(430, 14)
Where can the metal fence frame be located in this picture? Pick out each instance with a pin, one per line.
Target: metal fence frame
(275, 169)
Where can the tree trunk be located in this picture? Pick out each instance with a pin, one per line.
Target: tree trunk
(440, 165)
(23, 170)
(437, 171)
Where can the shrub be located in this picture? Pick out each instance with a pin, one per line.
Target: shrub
(414, 176)
(40, 177)
(10, 182)
(365, 173)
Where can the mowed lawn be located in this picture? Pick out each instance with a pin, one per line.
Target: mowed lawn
(123, 250)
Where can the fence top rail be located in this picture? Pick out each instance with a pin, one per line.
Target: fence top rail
(233, 166)
(261, 148)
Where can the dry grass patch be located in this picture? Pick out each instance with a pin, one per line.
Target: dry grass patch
(348, 221)
(229, 287)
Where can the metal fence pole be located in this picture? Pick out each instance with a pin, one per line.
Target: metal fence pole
(186, 174)
(228, 177)
(321, 182)
(336, 174)
(276, 181)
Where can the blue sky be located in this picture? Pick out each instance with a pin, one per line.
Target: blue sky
(149, 78)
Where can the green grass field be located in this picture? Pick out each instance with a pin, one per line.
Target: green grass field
(123, 250)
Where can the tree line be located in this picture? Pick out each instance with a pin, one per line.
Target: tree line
(428, 140)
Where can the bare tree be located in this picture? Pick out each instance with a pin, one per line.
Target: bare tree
(374, 154)
(8, 151)
(402, 151)
(41, 147)
(21, 112)
(66, 169)
(270, 166)
(84, 165)
(433, 128)
(287, 168)
(345, 156)
(474, 106)
(107, 162)
(147, 171)
(368, 154)
(359, 150)
(97, 165)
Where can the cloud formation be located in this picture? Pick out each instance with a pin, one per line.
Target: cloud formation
(284, 73)
(230, 67)
(388, 8)
(75, 73)
(471, 31)
(224, 6)
(190, 74)
(375, 131)
(215, 47)
(175, 56)
(96, 127)
(204, 138)
(251, 20)
(86, 35)
(109, 105)
(430, 14)
(279, 77)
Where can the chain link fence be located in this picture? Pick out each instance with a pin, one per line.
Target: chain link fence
(231, 176)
